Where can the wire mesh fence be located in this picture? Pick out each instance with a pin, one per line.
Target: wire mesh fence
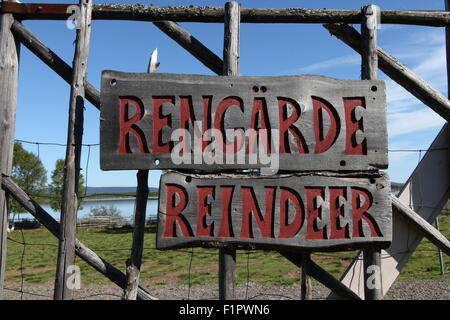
(182, 273)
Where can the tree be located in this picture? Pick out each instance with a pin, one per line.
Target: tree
(29, 174)
(57, 184)
(103, 211)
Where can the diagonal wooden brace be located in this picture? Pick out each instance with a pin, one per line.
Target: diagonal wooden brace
(95, 261)
(321, 275)
(428, 231)
(51, 59)
(396, 71)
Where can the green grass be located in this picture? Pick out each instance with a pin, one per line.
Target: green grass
(183, 267)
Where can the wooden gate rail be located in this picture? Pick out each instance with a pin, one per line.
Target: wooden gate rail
(88, 255)
(47, 11)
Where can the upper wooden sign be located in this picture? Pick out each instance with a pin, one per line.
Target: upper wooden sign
(297, 123)
(296, 212)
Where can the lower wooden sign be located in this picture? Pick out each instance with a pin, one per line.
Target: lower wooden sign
(293, 212)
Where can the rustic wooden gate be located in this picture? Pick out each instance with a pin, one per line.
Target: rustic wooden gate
(414, 211)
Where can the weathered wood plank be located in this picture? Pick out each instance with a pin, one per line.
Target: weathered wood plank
(9, 69)
(303, 213)
(51, 59)
(313, 122)
(396, 71)
(140, 12)
(89, 256)
(369, 71)
(67, 238)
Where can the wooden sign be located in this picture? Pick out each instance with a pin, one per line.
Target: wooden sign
(295, 212)
(161, 121)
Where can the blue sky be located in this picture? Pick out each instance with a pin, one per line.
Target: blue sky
(266, 49)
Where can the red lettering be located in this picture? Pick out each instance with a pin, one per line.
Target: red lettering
(289, 230)
(337, 211)
(159, 122)
(226, 227)
(352, 126)
(361, 202)
(250, 207)
(260, 120)
(324, 143)
(287, 125)
(313, 213)
(174, 210)
(128, 125)
(204, 208)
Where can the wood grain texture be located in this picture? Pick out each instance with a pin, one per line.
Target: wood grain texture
(141, 12)
(299, 88)
(88, 255)
(369, 69)
(305, 286)
(135, 260)
(396, 71)
(230, 67)
(238, 199)
(67, 238)
(9, 69)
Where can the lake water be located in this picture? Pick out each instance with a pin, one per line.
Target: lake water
(124, 205)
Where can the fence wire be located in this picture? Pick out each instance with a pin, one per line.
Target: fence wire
(19, 237)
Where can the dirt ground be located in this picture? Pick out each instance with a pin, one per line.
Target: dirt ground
(401, 290)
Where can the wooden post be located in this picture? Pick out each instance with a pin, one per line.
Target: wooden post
(134, 263)
(447, 49)
(441, 258)
(306, 287)
(369, 68)
(9, 70)
(227, 257)
(66, 252)
(89, 256)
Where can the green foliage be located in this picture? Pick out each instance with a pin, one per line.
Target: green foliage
(29, 174)
(57, 184)
(102, 211)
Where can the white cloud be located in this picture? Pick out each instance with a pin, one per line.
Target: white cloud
(412, 121)
(327, 64)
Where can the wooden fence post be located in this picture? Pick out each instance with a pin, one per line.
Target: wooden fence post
(67, 239)
(227, 257)
(9, 70)
(369, 68)
(306, 286)
(134, 263)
